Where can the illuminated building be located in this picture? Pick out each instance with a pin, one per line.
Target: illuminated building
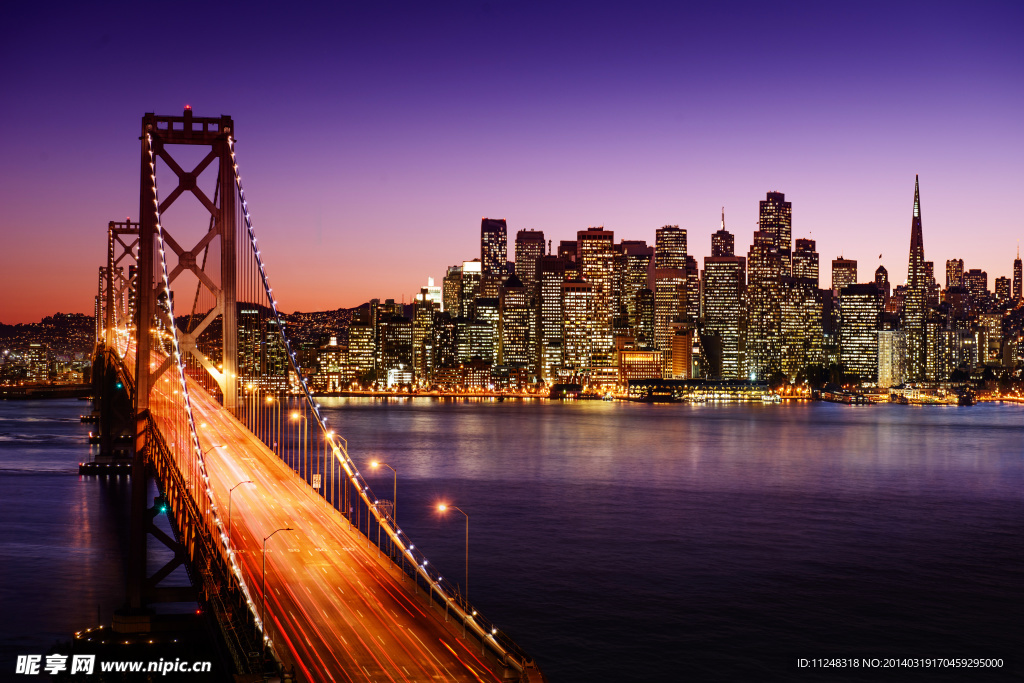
(976, 282)
(691, 310)
(844, 274)
(361, 351)
(990, 336)
(776, 222)
(451, 290)
(424, 310)
(860, 312)
(722, 242)
(529, 251)
(955, 273)
(38, 360)
(480, 340)
(551, 277)
(669, 308)
(262, 357)
(670, 247)
(892, 354)
(1017, 277)
(487, 311)
(471, 274)
(334, 372)
(801, 330)
(932, 298)
(949, 350)
(514, 324)
(682, 352)
(637, 364)
(723, 291)
(395, 345)
(763, 351)
(596, 256)
(916, 297)
(643, 324)
(250, 326)
(493, 246)
(446, 348)
(577, 326)
(637, 269)
(1002, 289)
(805, 261)
(882, 282)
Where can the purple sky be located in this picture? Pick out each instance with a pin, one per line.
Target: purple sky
(372, 139)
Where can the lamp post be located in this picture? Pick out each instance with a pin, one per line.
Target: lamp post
(303, 438)
(273, 435)
(394, 496)
(263, 593)
(443, 507)
(230, 491)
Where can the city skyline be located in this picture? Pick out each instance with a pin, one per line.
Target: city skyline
(406, 131)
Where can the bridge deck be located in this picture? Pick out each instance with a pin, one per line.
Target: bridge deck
(335, 609)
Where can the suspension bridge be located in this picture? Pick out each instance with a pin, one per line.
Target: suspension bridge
(305, 570)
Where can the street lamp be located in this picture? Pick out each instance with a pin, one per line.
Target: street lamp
(273, 428)
(443, 507)
(263, 610)
(303, 438)
(230, 491)
(394, 496)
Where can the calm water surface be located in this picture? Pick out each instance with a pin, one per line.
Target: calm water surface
(626, 542)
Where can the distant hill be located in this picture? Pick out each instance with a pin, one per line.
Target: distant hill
(65, 333)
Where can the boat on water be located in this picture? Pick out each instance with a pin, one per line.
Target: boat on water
(966, 397)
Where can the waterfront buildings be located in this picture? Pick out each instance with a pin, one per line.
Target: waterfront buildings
(600, 313)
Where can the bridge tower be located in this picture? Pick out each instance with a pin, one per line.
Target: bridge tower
(114, 322)
(160, 134)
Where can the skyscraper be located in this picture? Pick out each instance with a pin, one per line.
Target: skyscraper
(844, 274)
(551, 276)
(529, 250)
(882, 282)
(722, 242)
(1002, 289)
(493, 246)
(802, 331)
(670, 247)
(764, 291)
(669, 308)
(471, 276)
(451, 290)
(805, 260)
(976, 282)
(860, 312)
(514, 324)
(637, 275)
(596, 258)
(776, 221)
(1017, 277)
(724, 283)
(954, 273)
(577, 325)
(915, 299)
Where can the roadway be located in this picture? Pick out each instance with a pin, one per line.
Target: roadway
(334, 609)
